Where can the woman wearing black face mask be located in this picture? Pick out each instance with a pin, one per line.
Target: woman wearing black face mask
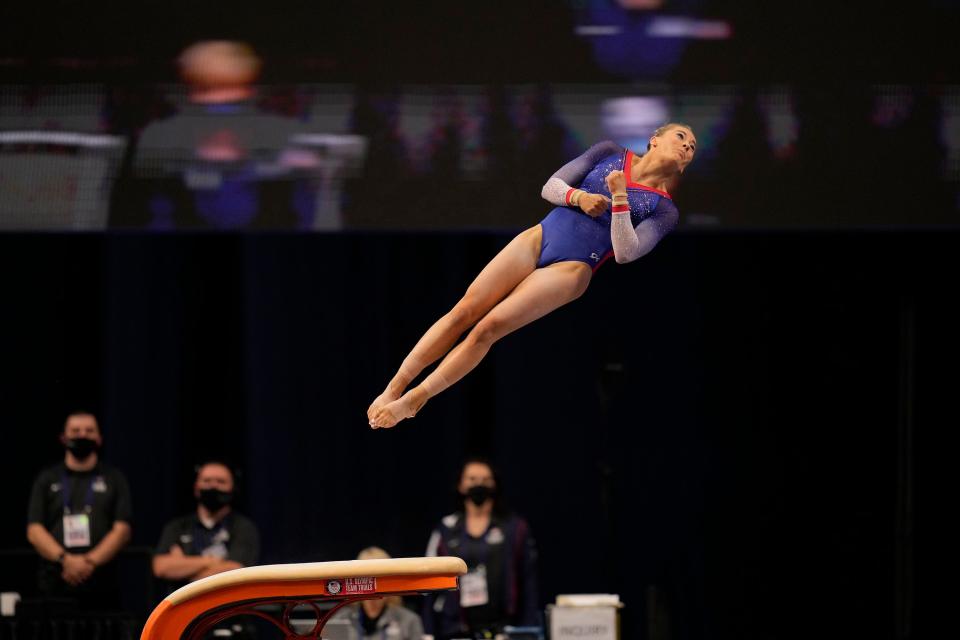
(500, 588)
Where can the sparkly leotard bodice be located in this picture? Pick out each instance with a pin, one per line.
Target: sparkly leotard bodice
(570, 234)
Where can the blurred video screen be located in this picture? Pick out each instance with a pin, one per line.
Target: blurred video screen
(329, 157)
(646, 39)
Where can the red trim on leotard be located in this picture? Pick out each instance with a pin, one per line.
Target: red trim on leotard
(603, 259)
(628, 174)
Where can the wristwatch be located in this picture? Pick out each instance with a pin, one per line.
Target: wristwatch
(63, 554)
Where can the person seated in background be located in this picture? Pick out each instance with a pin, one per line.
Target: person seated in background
(382, 618)
(501, 587)
(221, 161)
(212, 539)
(79, 519)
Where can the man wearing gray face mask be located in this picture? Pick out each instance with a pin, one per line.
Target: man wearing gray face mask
(79, 519)
(212, 539)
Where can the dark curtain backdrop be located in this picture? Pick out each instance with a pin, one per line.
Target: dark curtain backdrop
(711, 432)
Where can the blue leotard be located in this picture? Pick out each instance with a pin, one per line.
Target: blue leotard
(570, 234)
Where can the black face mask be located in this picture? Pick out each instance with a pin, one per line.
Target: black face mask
(214, 499)
(478, 494)
(81, 448)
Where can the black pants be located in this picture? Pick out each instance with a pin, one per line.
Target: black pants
(101, 592)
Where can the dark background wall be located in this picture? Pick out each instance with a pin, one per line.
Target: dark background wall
(741, 430)
(722, 420)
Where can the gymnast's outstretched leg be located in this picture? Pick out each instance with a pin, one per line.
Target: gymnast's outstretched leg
(508, 268)
(538, 294)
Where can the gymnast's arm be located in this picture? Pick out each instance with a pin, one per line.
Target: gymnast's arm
(557, 189)
(630, 243)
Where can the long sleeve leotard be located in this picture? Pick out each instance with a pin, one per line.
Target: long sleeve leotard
(570, 234)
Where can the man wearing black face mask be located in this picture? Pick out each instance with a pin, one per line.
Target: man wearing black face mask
(213, 539)
(500, 587)
(79, 519)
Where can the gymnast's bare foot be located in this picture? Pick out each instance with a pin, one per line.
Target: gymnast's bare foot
(388, 396)
(405, 407)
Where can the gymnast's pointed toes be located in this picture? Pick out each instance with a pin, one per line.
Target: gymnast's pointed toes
(382, 419)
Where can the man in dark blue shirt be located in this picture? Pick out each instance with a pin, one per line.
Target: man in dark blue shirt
(79, 519)
(212, 539)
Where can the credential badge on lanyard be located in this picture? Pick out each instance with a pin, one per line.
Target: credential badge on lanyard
(473, 588)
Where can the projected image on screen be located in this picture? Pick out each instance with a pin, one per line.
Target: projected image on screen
(223, 161)
(644, 39)
(426, 157)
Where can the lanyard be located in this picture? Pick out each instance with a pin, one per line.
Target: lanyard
(66, 488)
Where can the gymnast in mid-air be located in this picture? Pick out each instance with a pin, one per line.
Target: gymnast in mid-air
(609, 202)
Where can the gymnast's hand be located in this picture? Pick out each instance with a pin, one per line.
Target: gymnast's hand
(593, 204)
(616, 182)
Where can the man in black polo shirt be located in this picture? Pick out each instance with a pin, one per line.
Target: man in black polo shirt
(79, 518)
(213, 539)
